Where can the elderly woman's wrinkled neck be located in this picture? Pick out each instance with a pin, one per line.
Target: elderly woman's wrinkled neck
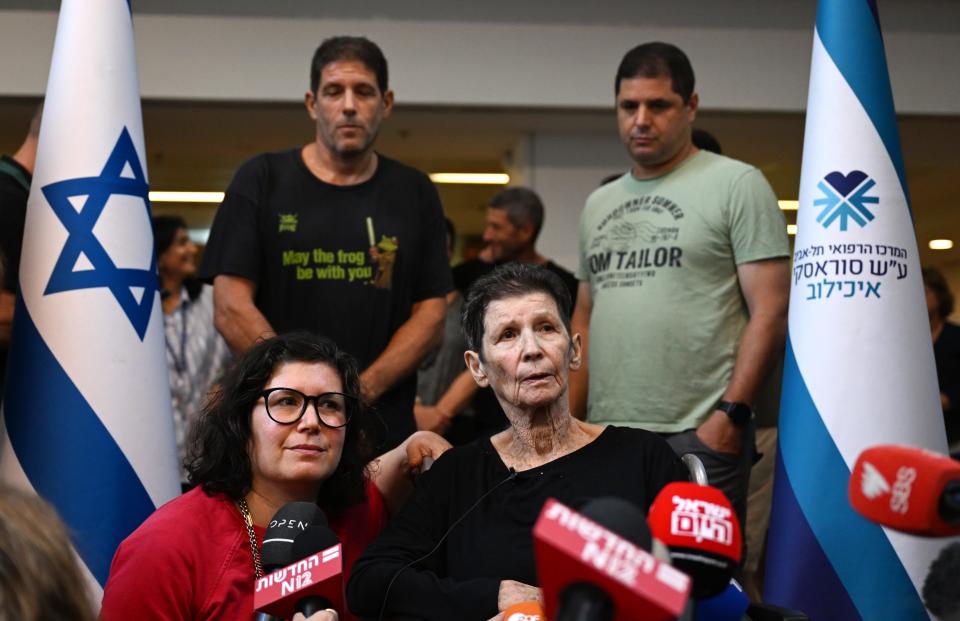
(539, 437)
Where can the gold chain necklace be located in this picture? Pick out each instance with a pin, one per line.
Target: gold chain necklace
(248, 522)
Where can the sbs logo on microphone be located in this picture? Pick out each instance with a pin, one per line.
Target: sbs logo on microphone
(900, 498)
(872, 483)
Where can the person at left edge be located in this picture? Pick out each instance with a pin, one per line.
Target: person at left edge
(334, 238)
(284, 426)
(16, 173)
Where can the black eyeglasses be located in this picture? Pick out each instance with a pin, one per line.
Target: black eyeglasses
(286, 406)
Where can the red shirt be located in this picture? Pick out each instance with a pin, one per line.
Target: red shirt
(191, 559)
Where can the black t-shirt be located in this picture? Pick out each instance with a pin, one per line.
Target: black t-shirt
(946, 352)
(14, 191)
(488, 415)
(307, 246)
(13, 213)
(494, 541)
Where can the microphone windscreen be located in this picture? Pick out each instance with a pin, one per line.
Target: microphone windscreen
(728, 605)
(698, 524)
(315, 538)
(622, 517)
(941, 588)
(288, 522)
(907, 489)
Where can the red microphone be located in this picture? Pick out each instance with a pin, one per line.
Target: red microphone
(907, 489)
(580, 560)
(313, 583)
(525, 611)
(699, 526)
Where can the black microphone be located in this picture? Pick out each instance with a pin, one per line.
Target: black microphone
(941, 594)
(315, 538)
(289, 520)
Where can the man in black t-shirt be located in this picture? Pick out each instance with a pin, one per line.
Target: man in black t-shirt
(16, 173)
(337, 239)
(513, 221)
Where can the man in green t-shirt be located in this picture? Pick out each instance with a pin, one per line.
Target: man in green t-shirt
(684, 280)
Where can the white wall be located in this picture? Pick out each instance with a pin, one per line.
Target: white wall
(478, 63)
(563, 169)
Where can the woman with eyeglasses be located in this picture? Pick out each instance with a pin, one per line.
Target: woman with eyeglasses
(285, 426)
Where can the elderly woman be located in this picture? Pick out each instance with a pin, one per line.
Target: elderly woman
(286, 425)
(478, 504)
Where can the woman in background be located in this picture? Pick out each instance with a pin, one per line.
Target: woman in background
(196, 353)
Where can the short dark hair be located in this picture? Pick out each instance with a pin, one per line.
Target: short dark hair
(702, 139)
(218, 457)
(164, 232)
(507, 281)
(359, 49)
(934, 280)
(523, 207)
(656, 60)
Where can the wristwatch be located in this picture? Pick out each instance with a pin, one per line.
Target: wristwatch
(740, 413)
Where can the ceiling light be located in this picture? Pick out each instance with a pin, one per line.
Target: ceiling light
(186, 197)
(789, 205)
(475, 178)
(791, 229)
(940, 244)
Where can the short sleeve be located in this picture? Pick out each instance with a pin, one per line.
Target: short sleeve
(433, 279)
(758, 229)
(234, 244)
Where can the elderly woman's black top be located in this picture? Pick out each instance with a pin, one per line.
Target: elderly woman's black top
(494, 541)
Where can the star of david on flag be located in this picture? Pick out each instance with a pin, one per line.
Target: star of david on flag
(83, 243)
(86, 410)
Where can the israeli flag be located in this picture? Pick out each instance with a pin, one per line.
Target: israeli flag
(86, 409)
(859, 367)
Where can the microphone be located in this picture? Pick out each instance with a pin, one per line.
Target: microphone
(907, 489)
(590, 573)
(312, 581)
(525, 611)
(728, 605)
(700, 527)
(940, 593)
(289, 520)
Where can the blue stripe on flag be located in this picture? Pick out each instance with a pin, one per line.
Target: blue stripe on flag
(67, 453)
(850, 32)
(820, 593)
(858, 550)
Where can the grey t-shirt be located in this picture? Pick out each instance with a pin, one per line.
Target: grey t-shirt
(661, 257)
